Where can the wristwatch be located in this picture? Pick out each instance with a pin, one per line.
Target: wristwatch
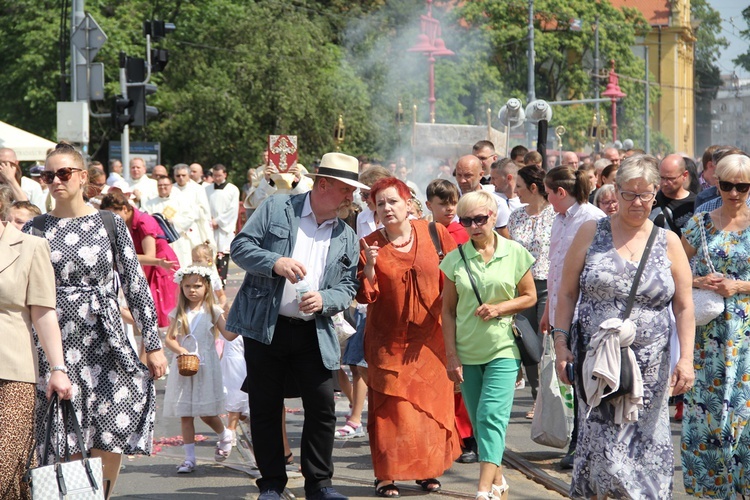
(59, 368)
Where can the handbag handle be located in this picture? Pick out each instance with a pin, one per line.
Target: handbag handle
(704, 246)
(471, 276)
(639, 272)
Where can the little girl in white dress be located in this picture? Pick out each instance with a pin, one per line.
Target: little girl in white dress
(192, 328)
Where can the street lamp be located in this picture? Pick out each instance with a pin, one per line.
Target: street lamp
(511, 115)
(430, 44)
(614, 93)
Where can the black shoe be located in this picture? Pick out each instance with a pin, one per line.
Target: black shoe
(327, 493)
(567, 460)
(269, 495)
(468, 457)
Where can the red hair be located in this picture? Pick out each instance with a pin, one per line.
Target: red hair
(390, 182)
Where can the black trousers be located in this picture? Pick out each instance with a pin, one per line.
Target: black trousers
(294, 356)
(222, 268)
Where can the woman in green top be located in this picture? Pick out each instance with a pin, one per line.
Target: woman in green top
(481, 351)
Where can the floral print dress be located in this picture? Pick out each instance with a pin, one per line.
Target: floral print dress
(113, 393)
(627, 460)
(715, 434)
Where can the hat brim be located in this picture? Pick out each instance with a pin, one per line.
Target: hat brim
(350, 182)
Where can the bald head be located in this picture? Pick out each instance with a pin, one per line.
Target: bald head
(196, 172)
(468, 173)
(569, 158)
(673, 174)
(7, 154)
(159, 171)
(613, 155)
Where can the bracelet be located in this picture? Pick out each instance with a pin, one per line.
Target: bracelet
(560, 330)
(59, 368)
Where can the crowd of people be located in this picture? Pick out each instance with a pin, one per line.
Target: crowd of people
(604, 254)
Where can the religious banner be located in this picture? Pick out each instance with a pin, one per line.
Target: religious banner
(282, 157)
(282, 152)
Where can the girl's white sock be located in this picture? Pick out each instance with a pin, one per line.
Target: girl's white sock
(225, 440)
(189, 452)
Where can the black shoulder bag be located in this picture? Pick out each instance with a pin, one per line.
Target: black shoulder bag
(528, 342)
(626, 368)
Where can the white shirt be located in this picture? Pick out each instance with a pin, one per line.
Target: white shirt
(366, 222)
(147, 187)
(225, 205)
(513, 203)
(34, 192)
(114, 177)
(564, 229)
(183, 217)
(194, 196)
(311, 249)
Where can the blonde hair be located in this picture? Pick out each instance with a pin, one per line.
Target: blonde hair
(735, 164)
(203, 250)
(476, 199)
(181, 325)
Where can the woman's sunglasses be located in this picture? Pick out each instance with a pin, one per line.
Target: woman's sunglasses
(479, 220)
(741, 187)
(64, 174)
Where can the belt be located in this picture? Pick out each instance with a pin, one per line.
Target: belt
(296, 321)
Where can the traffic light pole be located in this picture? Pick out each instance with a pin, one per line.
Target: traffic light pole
(125, 136)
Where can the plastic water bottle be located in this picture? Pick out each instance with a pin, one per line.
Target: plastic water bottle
(301, 287)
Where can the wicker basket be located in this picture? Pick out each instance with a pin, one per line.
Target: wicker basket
(188, 364)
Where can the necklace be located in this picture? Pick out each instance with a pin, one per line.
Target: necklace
(402, 245)
(625, 244)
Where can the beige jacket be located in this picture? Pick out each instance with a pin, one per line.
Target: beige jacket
(26, 279)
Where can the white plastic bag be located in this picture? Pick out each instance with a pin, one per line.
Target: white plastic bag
(553, 415)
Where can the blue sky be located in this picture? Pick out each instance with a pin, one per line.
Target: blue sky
(732, 23)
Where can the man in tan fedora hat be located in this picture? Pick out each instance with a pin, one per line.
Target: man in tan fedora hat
(290, 241)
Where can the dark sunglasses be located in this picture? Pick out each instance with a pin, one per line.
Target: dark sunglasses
(741, 187)
(479, 220)
(64, 174)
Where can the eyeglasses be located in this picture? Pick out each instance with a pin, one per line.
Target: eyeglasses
(672, 179)
(610, 202)
(479, 220)
(64, 174)
(741, 187)
(630, 196)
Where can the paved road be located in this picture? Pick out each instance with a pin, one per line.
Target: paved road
(155, 477)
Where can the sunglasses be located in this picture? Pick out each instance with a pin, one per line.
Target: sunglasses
(479, 220)
(64, 174)
(741, 187)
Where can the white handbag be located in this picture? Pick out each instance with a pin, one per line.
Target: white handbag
(553, 414)
(76, 480)
(707, 303)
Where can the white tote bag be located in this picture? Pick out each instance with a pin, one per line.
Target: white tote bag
(553, 415)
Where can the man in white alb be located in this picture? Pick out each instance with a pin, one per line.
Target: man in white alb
(224, 200)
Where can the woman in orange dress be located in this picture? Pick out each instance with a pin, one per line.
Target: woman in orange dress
(411, 419)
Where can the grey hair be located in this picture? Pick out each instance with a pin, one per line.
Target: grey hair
(180, 166)
(602, 191)
(644, 167)
(601, 164)
(6, 200)
(731, 165)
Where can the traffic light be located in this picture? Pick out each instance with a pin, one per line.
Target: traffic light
(141, 110)
(157, 29)
(159, 59)
(122, 113)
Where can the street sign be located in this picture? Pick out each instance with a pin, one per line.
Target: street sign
(88, 38)
(90, 87)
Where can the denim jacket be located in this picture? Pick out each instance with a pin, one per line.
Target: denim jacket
(269, 235)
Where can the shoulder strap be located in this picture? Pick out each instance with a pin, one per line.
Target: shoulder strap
(37, 225)
(471, 276)
(667, 215)
(436, 240)
(108, 218)
(639, 272)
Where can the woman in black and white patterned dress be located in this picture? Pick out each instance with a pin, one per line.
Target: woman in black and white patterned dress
(113, 392)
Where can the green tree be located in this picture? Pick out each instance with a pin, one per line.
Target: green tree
(564, 58)
(743, 60)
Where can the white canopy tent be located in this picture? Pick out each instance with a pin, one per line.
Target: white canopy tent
(28, 147)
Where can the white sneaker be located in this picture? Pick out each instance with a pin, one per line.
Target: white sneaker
(520, 384)
(186, 467)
